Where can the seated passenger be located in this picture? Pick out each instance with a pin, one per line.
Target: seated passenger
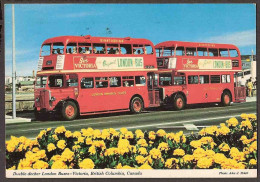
(138, 52)
(80, 50)
(69, 51)
(126, 84)
(111, 51)
(74, 50)
(58, 51)
(87, 50)
(134, 51)
(117, 51)
(94, 50)
(103, 51)
(145, 51)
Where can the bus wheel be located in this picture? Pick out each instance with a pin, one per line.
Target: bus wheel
(69, 110)
(226, 99)
(136, 105)
(179, 102)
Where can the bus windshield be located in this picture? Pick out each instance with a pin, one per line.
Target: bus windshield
(41, 82)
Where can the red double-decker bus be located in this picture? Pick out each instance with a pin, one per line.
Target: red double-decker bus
(191, 73)
(81, 75)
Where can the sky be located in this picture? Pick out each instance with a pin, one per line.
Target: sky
(216, 23)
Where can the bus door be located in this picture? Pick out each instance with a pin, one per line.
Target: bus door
(153, 90)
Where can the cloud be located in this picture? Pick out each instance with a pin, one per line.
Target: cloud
(81, 14)
(242, 39)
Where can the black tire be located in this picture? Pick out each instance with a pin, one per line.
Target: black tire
(179, 102)
(69, 110)
(136, 105)
(226, 99)
(36, 115)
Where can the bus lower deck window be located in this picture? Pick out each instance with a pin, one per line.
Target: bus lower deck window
(204, 79)
(87, 83)
(193, 80)
(115, 81)
(140, 80)
(215, 79)
(165, 79)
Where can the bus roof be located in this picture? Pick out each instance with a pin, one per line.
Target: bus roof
(194, 44)
(90, 39)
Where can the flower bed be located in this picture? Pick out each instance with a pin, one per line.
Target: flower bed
(232, 145)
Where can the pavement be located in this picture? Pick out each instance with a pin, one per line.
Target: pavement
(10, 120)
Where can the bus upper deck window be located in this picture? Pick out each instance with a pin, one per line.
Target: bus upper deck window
(85, 48)
(112, 49)
(223, 52)
(159, 52)
(99, 49)
(46, 50)
(213, 52)
(180, 51)
(138, 49)
(168, 51)
(190, 51)
(202, 51)
(58, 48)
(233, 53)
(148, 49)
(126, 48)
(71, 48)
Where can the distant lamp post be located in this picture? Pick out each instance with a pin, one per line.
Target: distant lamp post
(13, 68)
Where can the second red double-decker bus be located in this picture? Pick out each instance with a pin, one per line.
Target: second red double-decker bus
(81, 75)
(191, 73)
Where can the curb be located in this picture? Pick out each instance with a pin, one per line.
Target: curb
(10, 120)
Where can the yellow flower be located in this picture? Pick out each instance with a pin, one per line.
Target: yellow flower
(55, 137)
(155, 153)
(142, 143)
(247, 124)
(119, 166)
(139, 134)
(51, 147)
(224, 147)
(183, 138)
(252, 162)
(40, 165)
(129, 135)
(202, 132)
(87, 132)
(12, 168)
(145, 166)
(105, 134)
(152, 135)
(170, 162)
(170, 136)
(195, 143)
(224, 130)
(235, 154)
(89, 141)
(42, 132)
(213, 130)
(204, 163)
(127, 167)
(199, 153)
(92, 150)
(12, 144)
(140, 159)
(76, 134)
(99, 144)
(59, 130)
(246, 150)
(76, 147)
(142, 151)
(67, 155)
(179, 152)
(111, 151)
(163, 146)
(219, 158)
(87, 164)
(244, 116)
(55, 158)
(123, 130)
(123, 146)
(35, 149)
(24, 164)
(161, 133)
(232, 164)
(232, 122)
(61, 144)
(253, 146)
(188, 158)
(251, 116)
(68, 134)
(210, 154)
(81, 139)
(212, 145)
(59, 164)
(48, 129)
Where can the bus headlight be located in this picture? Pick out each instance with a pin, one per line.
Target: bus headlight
(53, 99)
